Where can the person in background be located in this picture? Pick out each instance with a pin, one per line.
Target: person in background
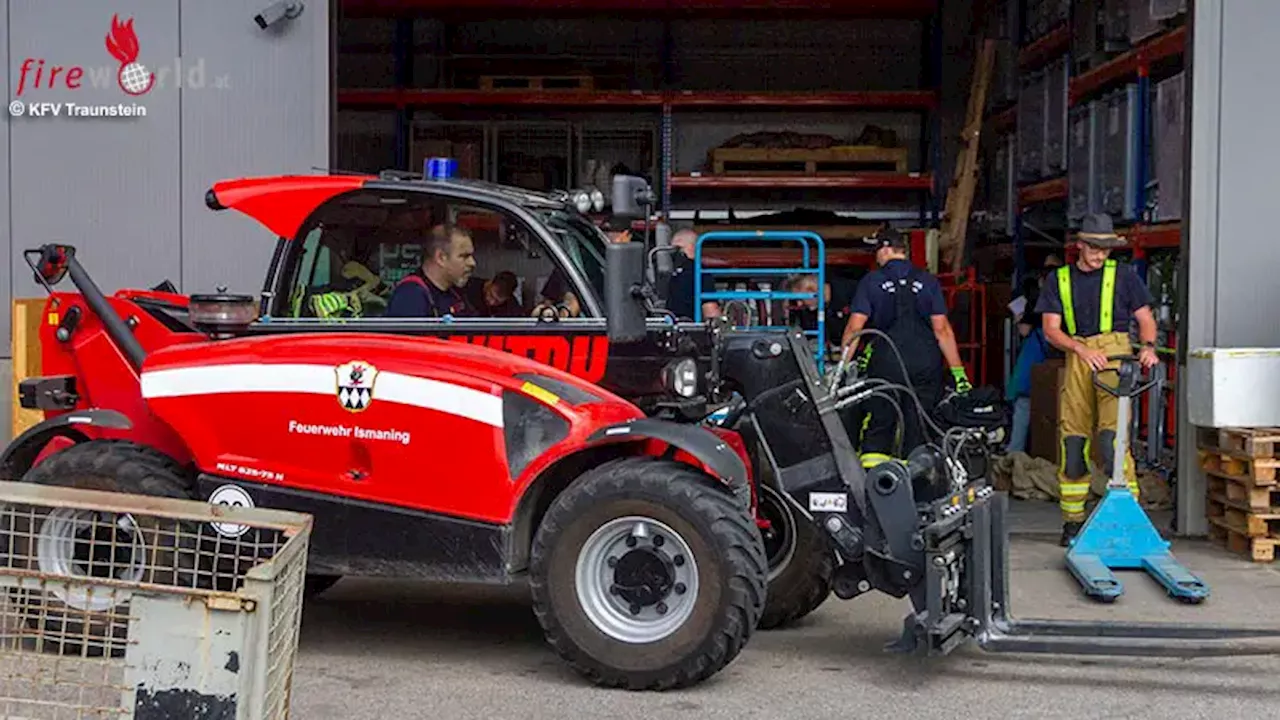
(1018, 389)
(495, 297)
(905, 303)
(435, 288)
(680, 288)
(837, 300)
(1087, 310)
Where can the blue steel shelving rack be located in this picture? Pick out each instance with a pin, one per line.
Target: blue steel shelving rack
(813, 262)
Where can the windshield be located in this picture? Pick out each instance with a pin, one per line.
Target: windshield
(582, 242)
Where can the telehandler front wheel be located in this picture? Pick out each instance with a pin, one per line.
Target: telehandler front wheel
(801, 561)
(646, 576)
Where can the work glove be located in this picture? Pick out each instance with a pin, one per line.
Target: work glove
(963, 386)
(864, 360)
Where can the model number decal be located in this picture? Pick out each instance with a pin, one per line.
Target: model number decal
(256, 473)
(584, 356)
(828, 502)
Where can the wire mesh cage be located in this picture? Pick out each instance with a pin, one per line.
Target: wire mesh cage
(466, 142)
(606, 149)
(125, 606)
(536, 155)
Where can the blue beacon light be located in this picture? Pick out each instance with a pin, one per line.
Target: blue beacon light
(439, 168)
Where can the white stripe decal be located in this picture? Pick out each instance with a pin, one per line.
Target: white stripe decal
(321, 380)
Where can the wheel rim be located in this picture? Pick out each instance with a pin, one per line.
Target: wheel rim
(780, 536)
(86, 543)
(637, 579)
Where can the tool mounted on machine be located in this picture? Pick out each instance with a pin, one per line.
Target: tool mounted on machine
(922, 528)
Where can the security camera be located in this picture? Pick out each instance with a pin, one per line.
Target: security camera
(277, 11)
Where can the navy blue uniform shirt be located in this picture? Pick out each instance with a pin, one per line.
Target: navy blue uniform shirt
(680, 289)
(1131, 294)
(413, 299)
(875, 299)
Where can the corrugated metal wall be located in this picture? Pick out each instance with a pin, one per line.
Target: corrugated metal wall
(230, 100)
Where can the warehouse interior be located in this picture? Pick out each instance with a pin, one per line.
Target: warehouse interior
(830, 116)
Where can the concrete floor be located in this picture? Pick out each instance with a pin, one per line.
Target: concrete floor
(384, 649)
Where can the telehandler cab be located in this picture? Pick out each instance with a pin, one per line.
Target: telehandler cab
(433, 459)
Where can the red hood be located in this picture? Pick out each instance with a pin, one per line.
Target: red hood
(282, 202)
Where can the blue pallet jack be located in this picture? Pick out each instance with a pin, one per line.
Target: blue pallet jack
(1118, 534)
(812, 262)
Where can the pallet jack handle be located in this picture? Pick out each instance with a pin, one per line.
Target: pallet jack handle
(1129, 373)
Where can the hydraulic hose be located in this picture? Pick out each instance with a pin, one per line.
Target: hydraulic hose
(111, 321)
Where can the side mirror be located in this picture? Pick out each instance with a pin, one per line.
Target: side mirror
(632, 197)
(624, 292)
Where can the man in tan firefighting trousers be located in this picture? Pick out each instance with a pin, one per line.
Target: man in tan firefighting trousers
(1087, 309)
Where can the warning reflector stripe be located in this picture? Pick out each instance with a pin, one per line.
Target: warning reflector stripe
(321, 380)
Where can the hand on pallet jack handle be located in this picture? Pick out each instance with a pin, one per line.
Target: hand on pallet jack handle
(1132, 381)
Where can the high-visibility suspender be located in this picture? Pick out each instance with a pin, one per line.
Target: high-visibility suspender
(1064, 289)
(1108, 296)
(1108, 299)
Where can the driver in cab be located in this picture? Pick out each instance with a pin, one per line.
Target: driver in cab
(436, 289)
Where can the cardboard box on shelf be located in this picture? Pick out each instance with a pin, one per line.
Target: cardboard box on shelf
(1046, 381)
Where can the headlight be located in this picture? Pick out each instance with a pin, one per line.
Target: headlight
(582, 201)
(681, 377)
(597, 199)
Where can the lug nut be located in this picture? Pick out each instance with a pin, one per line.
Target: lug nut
(631, 541)
(613, 590)
(635, 609)
(680, 588)
(678, 560)
(613, 562)
(662, 608)
(658, 540)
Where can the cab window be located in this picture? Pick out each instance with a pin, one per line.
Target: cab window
(352, 253)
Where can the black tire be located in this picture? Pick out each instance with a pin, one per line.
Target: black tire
(114, 466)
(317, 584)
(801, 561)
(729, 584)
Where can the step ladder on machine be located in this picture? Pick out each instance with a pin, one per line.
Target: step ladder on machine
(1118, 534)
(812, 262)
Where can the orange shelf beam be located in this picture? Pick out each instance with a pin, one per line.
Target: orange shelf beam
(1040, 52)
(866, 181)
(1132, 64)
(1056, 189)
(391, 97)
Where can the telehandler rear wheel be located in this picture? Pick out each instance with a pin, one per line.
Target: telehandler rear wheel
(646, 576)
(69, 542)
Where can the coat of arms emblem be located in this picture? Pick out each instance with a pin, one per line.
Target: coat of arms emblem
(355, 385)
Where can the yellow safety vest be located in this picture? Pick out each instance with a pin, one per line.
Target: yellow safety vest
(1107, 305)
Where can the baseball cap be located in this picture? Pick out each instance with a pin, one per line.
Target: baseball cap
(886, 236)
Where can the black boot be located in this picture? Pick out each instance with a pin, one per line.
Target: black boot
(1069, 531)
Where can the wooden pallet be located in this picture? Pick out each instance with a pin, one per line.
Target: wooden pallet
(1240, 516)
(1244, 492)
(1258, 549)
(1249, 442)
(582, 83)
(798, 161)
(1260, 471)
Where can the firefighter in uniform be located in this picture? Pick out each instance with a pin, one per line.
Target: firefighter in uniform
(906, 303)
(1086, 309)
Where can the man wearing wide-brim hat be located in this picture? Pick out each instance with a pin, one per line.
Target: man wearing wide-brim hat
(1087, 308)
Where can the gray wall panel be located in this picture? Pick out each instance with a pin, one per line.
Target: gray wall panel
(107, 185)
(272, 118)
(6, 239)
(1248, 158)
